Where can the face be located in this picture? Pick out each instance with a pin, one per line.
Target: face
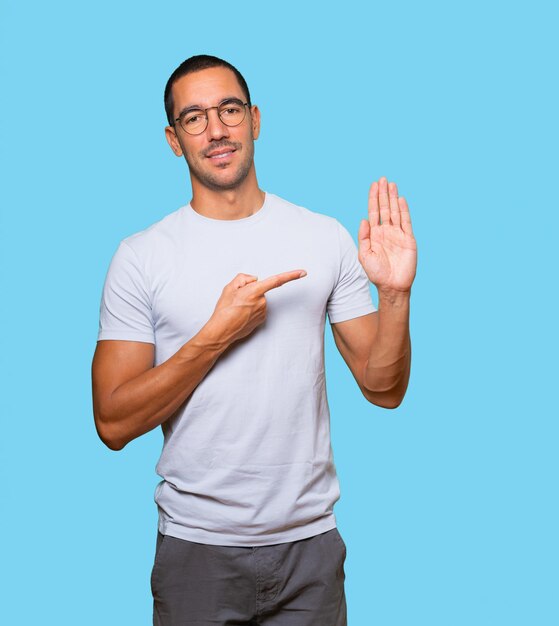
(222, 156)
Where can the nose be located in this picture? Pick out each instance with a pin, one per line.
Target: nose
(216, 128)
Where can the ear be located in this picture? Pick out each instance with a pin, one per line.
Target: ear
(255, 120)
(172, 140)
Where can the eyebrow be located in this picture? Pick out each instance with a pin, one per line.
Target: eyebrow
(199, 107)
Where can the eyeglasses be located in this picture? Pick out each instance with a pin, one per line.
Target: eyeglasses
(195, 121)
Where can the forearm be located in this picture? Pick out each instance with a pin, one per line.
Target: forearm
(141, 404)
(387, 370)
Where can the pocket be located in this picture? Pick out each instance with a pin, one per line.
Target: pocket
(340, 540)
(157, 559)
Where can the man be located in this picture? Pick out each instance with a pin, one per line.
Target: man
(212, 326)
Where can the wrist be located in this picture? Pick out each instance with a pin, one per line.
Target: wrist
(394, 297)
(213, 335)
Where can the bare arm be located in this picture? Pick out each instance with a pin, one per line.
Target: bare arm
(377, 350)
(131, 397)
(377, 347)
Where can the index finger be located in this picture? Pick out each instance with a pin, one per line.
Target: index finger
(262, 286)
(374, 211)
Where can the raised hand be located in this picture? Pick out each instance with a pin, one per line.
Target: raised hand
(242, 304)
(387, 247)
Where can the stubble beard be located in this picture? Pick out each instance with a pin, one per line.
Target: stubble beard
(215, 182)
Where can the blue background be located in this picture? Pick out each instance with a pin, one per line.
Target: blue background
(449, 503)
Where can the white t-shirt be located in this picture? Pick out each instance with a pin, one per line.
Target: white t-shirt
(247, 459)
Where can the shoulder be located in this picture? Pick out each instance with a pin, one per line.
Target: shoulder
(157, 236)
(289, 210)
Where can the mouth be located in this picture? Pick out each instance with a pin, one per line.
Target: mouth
(221, 154)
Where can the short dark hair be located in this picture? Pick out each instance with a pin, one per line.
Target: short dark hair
(195, 64)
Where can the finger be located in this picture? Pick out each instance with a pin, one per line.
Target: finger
(364, 238)
(405, 216)
(262, 286)
(241, 280)
(394, 208)
(374, 213)
(383, 201)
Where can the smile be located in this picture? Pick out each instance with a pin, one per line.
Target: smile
(221, 155)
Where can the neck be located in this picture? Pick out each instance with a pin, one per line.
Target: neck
(228, 204)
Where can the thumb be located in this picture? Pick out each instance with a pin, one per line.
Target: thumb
(363, 237)
(243, 279)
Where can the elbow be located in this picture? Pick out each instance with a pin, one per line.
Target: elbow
(114, 444)
(384, 400)
(386, 403)
(391, 404)
(389, 397)
(390, 387)
(107, 434)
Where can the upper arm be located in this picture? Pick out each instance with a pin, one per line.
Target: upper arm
(354, 339)
(350, 299)
(115, 363)
(126, 302)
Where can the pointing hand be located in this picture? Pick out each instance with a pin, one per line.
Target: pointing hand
(242, 304)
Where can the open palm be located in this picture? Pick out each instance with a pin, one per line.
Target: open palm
(387, 247)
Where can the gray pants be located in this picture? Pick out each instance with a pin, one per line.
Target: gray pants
(300, 583)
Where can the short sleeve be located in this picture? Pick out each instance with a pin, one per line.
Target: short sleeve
(351, 295)
(125, 311)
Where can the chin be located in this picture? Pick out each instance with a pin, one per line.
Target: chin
(224, 180)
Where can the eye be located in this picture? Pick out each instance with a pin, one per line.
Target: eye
(231, 109)
(192, 118)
